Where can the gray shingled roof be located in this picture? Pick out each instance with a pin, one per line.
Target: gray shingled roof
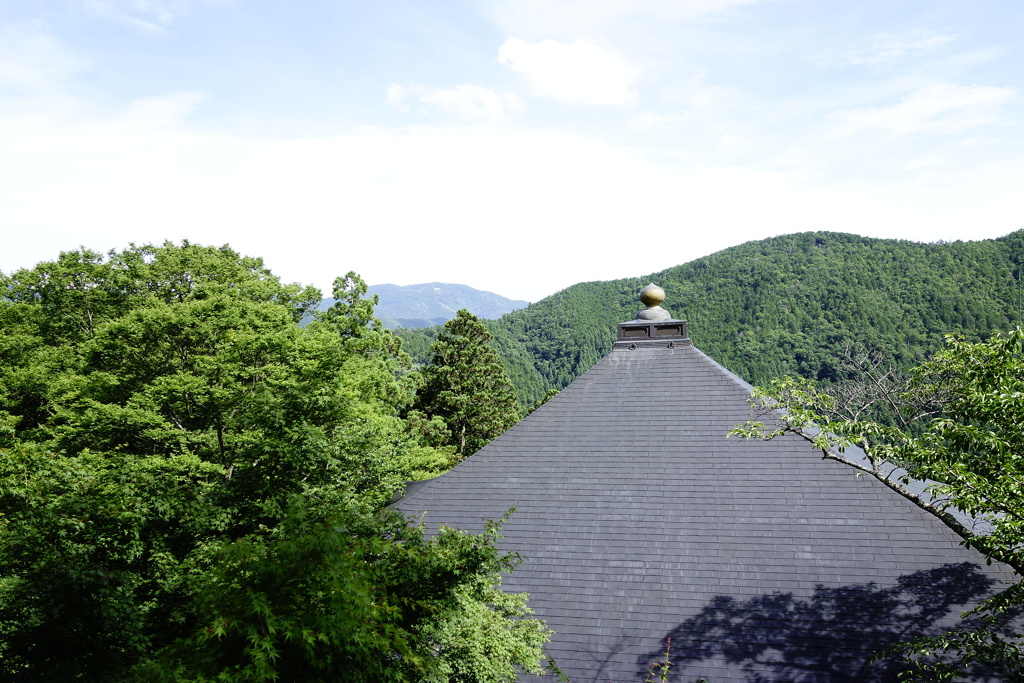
(640, 521)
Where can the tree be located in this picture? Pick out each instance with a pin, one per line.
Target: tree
(158, 351)
(177, 453)
(466, 386)
(954, 421)
(120, 568)
(360, 597)
(94, 555)
(551, 393)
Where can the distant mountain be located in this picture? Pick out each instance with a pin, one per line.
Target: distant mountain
(434, 303)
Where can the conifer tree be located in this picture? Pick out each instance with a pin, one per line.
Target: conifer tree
(467, 386)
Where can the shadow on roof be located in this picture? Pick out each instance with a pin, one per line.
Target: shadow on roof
(827, 637)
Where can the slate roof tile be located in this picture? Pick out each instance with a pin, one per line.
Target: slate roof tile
(641, 521)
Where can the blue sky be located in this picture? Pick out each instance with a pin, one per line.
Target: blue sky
(518, 146)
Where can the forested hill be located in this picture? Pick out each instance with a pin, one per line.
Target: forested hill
(785, 305)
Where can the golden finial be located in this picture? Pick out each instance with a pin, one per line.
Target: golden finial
(652, 295)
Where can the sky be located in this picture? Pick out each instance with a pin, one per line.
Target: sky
(516, 146)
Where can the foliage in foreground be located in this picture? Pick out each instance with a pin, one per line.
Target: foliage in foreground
(355, 597)
(955, 421)
(191, 486)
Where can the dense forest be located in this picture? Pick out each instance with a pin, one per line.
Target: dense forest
(781, 306)
(193, 486)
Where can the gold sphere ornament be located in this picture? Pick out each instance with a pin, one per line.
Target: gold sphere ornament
(652, 295)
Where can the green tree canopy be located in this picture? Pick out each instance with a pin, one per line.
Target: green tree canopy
(466, 386)
(954, 421)
(191, 485)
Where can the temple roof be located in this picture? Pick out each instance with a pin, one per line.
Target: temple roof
(641, 521)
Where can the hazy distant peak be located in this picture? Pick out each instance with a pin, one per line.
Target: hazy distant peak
(434, 303)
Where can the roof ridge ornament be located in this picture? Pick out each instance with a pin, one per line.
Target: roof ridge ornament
(651, 296)
(653, 324)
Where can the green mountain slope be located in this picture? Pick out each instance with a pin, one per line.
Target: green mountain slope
(784, 305)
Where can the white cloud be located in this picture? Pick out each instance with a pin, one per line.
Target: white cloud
(926, 162)
(691, 101)
(473, 102)
(396, 97)
(437, 203)
(576, 73)
(142, 15)
(467, 101)
(160, 112)
(945, 108)
(33, 60)
(147, 16)
(592, 17)
(883, 48)
(646, 122)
